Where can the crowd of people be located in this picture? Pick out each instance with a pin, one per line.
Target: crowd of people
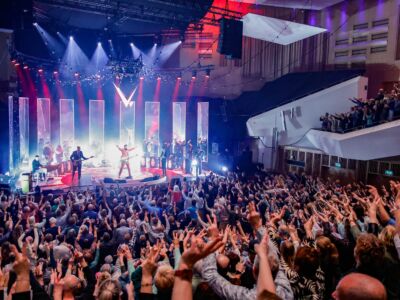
(242, 236)
(382, 108)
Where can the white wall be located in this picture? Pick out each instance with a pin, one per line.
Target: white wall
(366, 144)
(307, 112)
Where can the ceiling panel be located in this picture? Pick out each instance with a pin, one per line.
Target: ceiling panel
(276, 30)
(302, 4)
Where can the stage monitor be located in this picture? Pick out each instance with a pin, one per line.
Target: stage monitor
(43, 124)
(67, 126)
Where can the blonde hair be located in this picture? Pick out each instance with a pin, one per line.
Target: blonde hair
(164, 278)
(327, 250)
(387, 235)
(109, 290)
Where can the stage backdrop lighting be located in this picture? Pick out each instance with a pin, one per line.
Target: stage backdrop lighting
(127, 124)
(67, 127)
(96, 129)
(43, 123)
(202, 128)
(24, 130)
(179, 121)
(152, 125)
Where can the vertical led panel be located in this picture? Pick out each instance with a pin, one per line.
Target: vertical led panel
(43, 123)
(179, 121)
(23, 112)
(152, 125)
(11, 129)
(67, 127)
(96, 128)
(202, 128)
(127, 123)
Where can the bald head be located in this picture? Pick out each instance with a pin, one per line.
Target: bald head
(222, 261)
(357, 286)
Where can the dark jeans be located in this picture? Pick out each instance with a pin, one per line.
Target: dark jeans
(164, 166)
(76, 167)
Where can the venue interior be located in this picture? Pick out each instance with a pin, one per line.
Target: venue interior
(200, 149)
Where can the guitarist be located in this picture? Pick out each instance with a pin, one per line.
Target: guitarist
(125, 159)
(76, 158)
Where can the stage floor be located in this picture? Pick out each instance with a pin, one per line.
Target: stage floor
(92, 177)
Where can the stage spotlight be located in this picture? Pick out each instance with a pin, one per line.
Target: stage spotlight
(179, 78)
(208, 72)
(55, 72)
(58, 32)
(182, 37)
(195, 162)
(131, 44)
(141, 78)
(71, 38)
(158, 78)
(76, 74)
(40, 70)
(16, 64)
(25, 67)
(224, 169)
(110, 41)
(99, 44)
(35, 24)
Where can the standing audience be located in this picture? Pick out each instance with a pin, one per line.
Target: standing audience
(255, 236)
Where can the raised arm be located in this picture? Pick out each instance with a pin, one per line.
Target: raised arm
(265, 281)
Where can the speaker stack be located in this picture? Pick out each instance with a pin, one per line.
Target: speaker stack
(230, 38)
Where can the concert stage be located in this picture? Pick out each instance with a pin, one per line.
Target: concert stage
(96, 176)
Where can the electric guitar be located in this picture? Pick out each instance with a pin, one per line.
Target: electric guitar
(77, 162)
(126, 159)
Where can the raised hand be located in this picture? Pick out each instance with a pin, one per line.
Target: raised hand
(212, 227)
(199, 249)
(149, 265)
(373, 191)
(253, 216)
(262, 248)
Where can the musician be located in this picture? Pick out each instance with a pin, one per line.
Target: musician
(59, 154)
(188, 156)
(125, 159)
(163, 156)
(48, 153)
(146, 148)
(36, 166)
(199, 157)
(76, 158)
